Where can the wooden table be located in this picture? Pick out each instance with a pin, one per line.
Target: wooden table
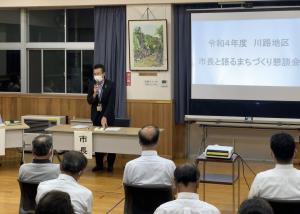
(123, 141)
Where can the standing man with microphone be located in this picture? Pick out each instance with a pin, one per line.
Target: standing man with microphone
(101, 96)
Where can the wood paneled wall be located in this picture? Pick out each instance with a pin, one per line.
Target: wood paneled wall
(179, 141)
(160, 113)
(13, 106)
(141, 112)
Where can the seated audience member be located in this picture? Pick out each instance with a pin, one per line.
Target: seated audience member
(149, 168)
(55, 202)
(41, 168)
(187, 202)
(283, 181)
(71, 167)
(255, 206)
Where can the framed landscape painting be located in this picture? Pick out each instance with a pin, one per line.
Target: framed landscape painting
(148, 45)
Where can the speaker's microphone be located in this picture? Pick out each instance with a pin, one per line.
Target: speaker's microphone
(97, 84)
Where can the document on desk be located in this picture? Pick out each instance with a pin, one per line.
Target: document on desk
(80, 126)
(109, 129)
(14, 123)
(2, 141)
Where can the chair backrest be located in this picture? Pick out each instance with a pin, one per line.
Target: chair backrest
(285, 206)
(144, 199)
(122, 122)
(28, 194)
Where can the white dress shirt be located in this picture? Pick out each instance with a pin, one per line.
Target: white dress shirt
(187, 203)
(282, 182)
(149, 168)
(81, 197)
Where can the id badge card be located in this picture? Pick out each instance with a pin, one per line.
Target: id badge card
(99, 107)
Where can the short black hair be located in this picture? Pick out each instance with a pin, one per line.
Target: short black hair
(101, 66)
(73, 162)
(152, 139)
(55, 202)
(187, 173)
(255, 206)
(283, 147)
(41, 145)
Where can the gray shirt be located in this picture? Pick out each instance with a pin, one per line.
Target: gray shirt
(38, 171)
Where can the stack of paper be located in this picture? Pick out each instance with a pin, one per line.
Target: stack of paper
(112, 129)
(79, 126)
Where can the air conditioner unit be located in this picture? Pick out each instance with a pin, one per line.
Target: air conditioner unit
(38, 124)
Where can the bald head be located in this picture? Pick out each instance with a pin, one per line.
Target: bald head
(41, 145)
(149, 135)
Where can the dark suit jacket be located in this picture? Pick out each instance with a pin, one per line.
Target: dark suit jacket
(107, 101)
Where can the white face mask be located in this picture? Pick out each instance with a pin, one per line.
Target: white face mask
(98, 78)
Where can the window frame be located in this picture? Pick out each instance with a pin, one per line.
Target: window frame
(26, 46)
(20, 11)
(16, 46)
(65, 70)
(66, 22)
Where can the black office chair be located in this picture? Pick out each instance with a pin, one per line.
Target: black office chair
(144, 199)
(285, 206)
(122, 122)
(28, 194)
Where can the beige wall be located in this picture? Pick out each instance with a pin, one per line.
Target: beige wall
(63, 3)
(138, 88)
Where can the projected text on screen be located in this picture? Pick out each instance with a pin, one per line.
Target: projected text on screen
(259, 52)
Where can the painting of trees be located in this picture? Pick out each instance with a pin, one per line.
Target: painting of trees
(149, 45)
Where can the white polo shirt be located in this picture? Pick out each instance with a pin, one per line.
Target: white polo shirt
(81, 197)
(149, 168)
(282, 182)
(187, 203)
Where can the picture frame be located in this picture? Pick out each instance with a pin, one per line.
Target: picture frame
(148, 45)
